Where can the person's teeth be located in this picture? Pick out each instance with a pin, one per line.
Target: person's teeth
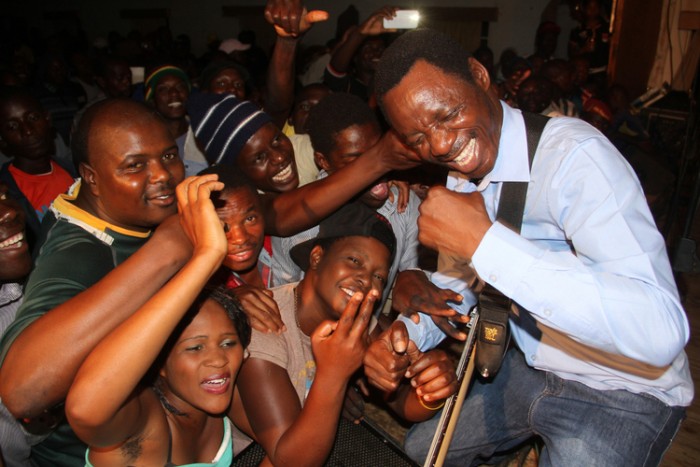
(467, 153)
(175, 104)
(12, 240)
(348, 292)
(284, 174)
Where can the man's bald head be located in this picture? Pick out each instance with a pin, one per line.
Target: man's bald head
(109, 113)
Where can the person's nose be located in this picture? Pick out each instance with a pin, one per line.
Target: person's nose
(441, 141)
(278, 157)
(160, 173)
(235, 234)
(8, 213)
(216, 358)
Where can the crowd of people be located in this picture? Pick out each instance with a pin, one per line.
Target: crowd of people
(241, 248)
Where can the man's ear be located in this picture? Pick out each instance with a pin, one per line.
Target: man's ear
(479, 73)
(315, 256)
(89, 178)
(321, 161)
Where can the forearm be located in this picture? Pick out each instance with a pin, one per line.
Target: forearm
(302, 208)
(308, 441)
(280, 79)
(123, 357)
(43, 360)
(343, 54)
(406, 404)
(623, 306)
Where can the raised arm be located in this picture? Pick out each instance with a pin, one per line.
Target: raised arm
(291, 212)
(41, 363)
(291, 21)
(289, 434)
(372, 26)
(105, 417)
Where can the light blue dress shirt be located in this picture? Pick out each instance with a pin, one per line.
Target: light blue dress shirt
(589, 262)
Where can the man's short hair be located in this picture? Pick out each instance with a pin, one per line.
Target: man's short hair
(117, 106)
(232, 178)
(11, 93)
(333, 114)
(429, 45)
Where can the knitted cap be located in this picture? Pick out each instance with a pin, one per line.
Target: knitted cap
(223, 124)
(352, 220)
(159, 73)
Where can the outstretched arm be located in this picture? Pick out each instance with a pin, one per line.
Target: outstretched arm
(119, 362)
(291, 21)
(372, 26)
(291, 212)
(42, 361)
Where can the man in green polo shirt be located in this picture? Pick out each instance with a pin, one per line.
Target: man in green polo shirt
(89, 276)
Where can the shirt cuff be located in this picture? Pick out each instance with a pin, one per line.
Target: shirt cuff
(503, 258)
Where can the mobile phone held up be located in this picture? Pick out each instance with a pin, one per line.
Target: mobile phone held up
(404, 19)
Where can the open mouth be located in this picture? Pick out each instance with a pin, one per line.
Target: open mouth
(217, 384)
(165, 199)
(15, 241)
(380, 190)
(467, 155)
(349, 292)
(240, 256)
(285, 175)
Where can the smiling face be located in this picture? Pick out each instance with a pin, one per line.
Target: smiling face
(201, 368)
(15, 260)
(447, 120)
(349, 144)
(240, 211)
(170, 97)
(369, 54)
(25, 129)
(268, 160)
(133, 170)
(348, 265)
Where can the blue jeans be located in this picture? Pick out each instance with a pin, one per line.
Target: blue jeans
(579, 425)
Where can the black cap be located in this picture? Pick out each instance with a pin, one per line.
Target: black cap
(352, 220)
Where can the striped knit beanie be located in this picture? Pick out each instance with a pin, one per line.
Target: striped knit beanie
(159, 73)
(223, 124)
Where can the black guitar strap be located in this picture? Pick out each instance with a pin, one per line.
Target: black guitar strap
(493, 336)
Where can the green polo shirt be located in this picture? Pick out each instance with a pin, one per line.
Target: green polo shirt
(78, 249)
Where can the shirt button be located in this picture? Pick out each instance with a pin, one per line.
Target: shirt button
(533, 357)
(493, 278)
(548, 312)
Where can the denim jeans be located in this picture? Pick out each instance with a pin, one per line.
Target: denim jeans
(580, 426)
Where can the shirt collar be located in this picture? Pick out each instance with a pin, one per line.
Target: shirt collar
(512, 163)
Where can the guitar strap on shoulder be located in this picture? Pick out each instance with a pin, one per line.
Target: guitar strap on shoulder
(494, 307)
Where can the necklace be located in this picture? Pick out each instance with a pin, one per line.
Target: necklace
(296, 307)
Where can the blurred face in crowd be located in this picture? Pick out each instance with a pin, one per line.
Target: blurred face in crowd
(170, 97)
(228, 81)
(15, 260)
(350, 144)
(25, 129)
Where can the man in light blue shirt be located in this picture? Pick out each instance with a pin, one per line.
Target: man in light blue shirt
(600, 332)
